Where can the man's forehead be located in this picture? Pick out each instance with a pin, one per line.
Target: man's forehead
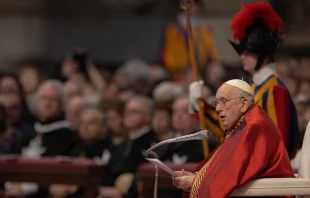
(225, 91)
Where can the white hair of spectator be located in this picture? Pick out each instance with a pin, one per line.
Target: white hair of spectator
(148, 103)
(92, 101)
(168, 90)
(56, 84)
(102, 116)
(159, 73)
(241, 93)
(136, 69)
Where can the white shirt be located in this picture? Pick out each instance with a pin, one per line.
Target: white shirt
(260, 76)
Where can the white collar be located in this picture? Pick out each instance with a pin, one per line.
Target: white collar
(264, 73)
(139, 133)
(45, 128)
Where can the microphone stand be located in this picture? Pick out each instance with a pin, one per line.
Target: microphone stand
(197, 136)
(156, 174)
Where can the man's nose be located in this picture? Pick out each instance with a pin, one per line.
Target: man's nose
(218, 108)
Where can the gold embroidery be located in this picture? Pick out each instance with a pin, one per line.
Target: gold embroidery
(201, 173)
(229, 132)
(199, 177)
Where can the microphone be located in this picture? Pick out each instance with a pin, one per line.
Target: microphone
(205, 134)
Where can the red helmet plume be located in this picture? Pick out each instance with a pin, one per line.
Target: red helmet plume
(249, 14)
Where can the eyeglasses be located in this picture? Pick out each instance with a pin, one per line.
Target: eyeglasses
(222, 102)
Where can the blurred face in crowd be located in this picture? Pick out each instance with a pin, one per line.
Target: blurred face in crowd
(91, 128)
(283, 68)
(73, 111)
(120, 79)
(29, 79)
(125, 95)
(110, 92)
(115, 122)
(304, 88)
(301, 111)
(69, 67)
(71, 90)
(48, 102)
(14, 107)
(182, 121)
(136, 115)
(229, 106)
(9, 85)
(161, 121)
(215, 74)
(249, 61)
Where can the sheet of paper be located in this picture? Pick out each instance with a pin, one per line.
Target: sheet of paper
(161, 165)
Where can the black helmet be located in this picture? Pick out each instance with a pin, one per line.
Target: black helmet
(257, 27)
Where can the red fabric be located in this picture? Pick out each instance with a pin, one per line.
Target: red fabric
(282, 101)
(256, 149)
(251, 12)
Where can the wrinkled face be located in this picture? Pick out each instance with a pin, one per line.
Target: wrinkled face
(48, 102)
(249, 61)
(136, 115)
(161, 121)
(229, 106)
(91, 127)
(182, 121)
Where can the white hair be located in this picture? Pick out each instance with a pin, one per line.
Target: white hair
(148, 103)
(168, 90)
(136, 70)
(246, 95)
(58, 85)
(102, 116)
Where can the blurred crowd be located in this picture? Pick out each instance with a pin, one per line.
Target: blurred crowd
(113, 118)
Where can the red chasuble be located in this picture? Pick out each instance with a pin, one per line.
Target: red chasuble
(255, 149)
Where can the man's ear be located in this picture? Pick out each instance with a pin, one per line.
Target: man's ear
(244, 105)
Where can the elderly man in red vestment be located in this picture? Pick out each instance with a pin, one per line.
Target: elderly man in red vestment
(253, 147)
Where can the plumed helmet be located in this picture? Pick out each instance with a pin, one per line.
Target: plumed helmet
(258, 29)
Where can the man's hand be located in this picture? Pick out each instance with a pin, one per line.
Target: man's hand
(195, 92)
(59, 190)
(184, 180)
(110, 192)
(15, 190)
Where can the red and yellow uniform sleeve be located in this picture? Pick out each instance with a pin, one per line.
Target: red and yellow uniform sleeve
(276, 102)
